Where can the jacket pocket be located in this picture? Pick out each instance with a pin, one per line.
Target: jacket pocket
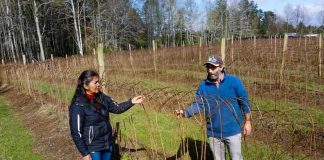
(91, 134)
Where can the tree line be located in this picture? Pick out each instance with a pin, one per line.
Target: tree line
(39, 28)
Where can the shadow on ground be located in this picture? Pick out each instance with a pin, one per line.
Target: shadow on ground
(195, 149)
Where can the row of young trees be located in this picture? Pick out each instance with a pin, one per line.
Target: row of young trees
(38, 28)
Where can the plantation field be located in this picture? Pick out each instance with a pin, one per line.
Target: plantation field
(287, 109)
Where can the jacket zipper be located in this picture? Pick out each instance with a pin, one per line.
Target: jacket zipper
(91, 134)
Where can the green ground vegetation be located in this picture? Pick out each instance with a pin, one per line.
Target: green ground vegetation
(163, 132)
(16, 142)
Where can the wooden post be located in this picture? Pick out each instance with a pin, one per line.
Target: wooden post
(24, 59)
(305, 43)
(309, 38)
(320, 55)
(4, 77)
(66, 61)
(300, 38)
(101, 66)
(52, 57)
(130, 56)
(275, 45)
(94, 51)
(28, 84)
(154, 55)
(101, 61)
(130, 52)
(33, 61)
(232, 49)
(223, 47)
(254, 41)
(2, 61)
(199, 51)
(270, 41)
(283, 58)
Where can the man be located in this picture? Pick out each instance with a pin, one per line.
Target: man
(222, 99)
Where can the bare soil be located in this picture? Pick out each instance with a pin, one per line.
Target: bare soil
(53, 139)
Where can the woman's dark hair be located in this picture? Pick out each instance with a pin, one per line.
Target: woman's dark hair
(84, 79)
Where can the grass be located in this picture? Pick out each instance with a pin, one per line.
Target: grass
(165, 128)
(310, 86)
(167, 132)
(282, 110)
(51, 111)
(163, 132)
(292, 110)
(16, 142)
(199, 75)
(261, 151)
(61, 92)
(151, 84)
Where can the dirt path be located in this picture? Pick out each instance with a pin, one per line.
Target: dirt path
(53, 139)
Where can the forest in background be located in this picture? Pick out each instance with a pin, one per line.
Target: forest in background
(41, 28)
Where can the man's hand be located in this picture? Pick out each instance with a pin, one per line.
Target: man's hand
(87, 157)
(247, 127)
(179, 113)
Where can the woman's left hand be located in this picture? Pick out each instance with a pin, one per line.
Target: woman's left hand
(138, 99)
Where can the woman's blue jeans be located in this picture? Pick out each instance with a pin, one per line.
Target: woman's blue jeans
(102, 155)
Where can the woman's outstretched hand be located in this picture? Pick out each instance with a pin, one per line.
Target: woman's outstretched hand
(138, 99)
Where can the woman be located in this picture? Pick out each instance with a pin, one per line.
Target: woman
(89, 117)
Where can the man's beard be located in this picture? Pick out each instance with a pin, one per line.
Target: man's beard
(213, 77)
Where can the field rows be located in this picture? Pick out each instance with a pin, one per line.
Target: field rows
(277, 107)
